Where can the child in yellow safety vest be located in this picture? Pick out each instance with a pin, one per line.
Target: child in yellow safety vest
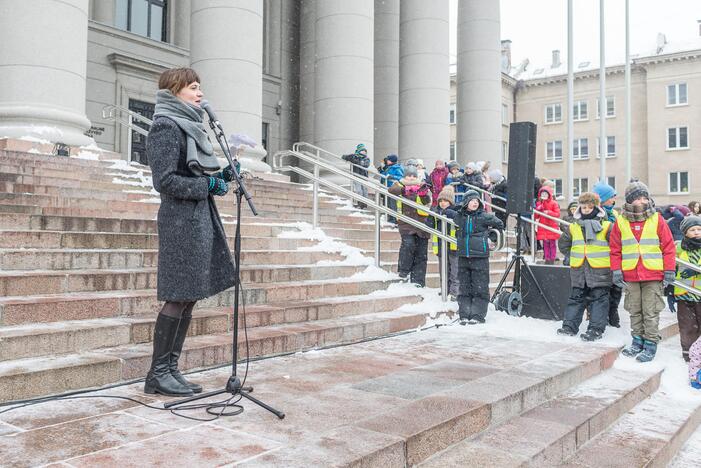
(643, 261)
(446, 201)
(586, 244)
(688, 303)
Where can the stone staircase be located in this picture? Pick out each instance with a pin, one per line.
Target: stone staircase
(78, 256)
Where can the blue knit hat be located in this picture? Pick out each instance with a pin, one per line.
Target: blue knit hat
(360, 148)
(392, 158)
(604, 191)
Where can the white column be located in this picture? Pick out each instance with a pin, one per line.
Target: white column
(424, 81)
(226, 50)
(478, 118)
(386, 78)
(343, 97)
(43, 66)
(307, 70)
(103, 12)
(181, 23)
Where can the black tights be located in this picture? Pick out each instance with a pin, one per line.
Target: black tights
(178, 309)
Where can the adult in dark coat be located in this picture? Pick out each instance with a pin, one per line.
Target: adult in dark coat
(194, 260)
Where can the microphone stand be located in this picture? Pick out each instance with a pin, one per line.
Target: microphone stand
(234, 385)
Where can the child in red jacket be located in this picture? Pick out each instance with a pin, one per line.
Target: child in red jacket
(643, 261)
(546, 204)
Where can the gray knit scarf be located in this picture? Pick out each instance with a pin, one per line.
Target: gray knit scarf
(635, 213)
(200, 152)
(591, 224)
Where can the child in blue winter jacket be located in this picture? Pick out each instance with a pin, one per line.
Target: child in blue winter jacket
(455, 179)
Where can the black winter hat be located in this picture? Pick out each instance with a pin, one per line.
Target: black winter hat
(469, 196)
(689, 222)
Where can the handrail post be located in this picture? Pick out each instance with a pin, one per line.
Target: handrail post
(443, 263)
(378, 230)
(534, 242)
(315, 206)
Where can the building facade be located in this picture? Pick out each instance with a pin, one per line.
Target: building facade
(330, 72)
(665, 148)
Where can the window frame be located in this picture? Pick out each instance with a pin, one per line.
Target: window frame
(577, 184)
(598, 149)
(558, 194)
(676, 94)
(164, 4)
(504, 114)
(554, 151)
(677, 139)
(452, 114)
(554, 106)
(505, 152)
(612, 98)
(577, 144)
(679, 184)
(577, 116)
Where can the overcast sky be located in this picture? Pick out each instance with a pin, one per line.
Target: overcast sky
(536, 27)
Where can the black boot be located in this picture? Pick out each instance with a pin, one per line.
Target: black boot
(159, 379)
(175, 354)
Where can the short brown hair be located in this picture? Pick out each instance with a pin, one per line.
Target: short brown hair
(589, 198)
(176, 79)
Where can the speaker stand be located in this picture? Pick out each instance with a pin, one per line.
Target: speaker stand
(513, 302)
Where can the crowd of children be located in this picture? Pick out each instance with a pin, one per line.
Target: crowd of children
(609, 252)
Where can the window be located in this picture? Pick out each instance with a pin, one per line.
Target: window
(610, 107)
(580, 112)
(611, 180)
(610, 151)
(580, 149)
(505, 115)
(137, 142)
(452, 151)
(676, 94)
(505, 151)
(678, 182)
(451, 118)
(553, 151)
(265, 129)
(143, 17)
(553, 113)
(558, 187)
(677, 138)
(580, 186)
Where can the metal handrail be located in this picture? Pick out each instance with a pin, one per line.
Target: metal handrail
(115, 112)
(318, 163)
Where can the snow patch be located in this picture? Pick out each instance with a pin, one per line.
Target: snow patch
(87, 155)
(353, 255)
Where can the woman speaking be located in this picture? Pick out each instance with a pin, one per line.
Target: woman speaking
(194, 261)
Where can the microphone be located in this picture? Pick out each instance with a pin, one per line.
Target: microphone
(204, 104)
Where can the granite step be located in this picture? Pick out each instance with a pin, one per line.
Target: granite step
(434, 421)
(51, 338)
(32, 377)
(552, 432)
(690, 454)
(33, 282)
(649, 435)
(17, 310)
(147, 203)
(70, 259)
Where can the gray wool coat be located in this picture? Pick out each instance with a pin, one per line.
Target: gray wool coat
(194, 260)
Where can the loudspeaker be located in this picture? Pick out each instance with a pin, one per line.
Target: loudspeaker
(554, 280)
(522, 141)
